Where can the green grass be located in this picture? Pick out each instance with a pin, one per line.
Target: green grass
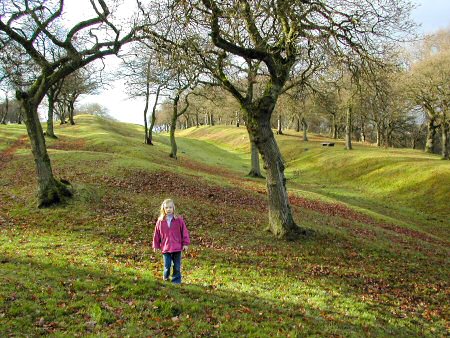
(87, 268)
(10, 134)
(401, 183)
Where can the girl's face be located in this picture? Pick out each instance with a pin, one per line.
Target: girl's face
(168, 208)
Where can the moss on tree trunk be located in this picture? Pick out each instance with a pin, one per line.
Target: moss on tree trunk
(348, 129)
(281, 221)
(256, 169)
(50, 190)
(445, 126)
(431, 133)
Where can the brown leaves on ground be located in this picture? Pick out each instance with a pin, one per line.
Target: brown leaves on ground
(7, 155)
(65, 143)
(340, 210)
(212, 170)
(171, 184)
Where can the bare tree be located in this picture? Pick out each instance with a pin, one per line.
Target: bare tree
(4, 109)
(286, 38)
(52, 98)
(81, 82)
(428, 86)
(143, 70)
(27, 29)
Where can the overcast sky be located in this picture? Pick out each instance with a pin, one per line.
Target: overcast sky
(430, 14)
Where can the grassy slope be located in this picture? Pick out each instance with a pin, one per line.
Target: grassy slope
(88, 267)
(404, 186)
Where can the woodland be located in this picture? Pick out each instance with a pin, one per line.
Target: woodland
(306, 141)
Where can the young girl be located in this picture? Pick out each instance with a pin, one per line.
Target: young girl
(171, 237)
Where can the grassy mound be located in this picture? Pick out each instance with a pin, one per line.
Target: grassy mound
(403, 183)
(87, 268)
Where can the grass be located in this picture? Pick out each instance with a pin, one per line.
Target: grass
(87, 268)
(11, 134)
(366, 178)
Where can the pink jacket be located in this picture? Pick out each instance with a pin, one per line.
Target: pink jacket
(171, 239)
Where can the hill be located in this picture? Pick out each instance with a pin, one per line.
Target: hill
(398, 185)
(87, 267)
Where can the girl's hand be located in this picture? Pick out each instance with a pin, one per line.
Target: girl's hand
(155, 250)
(185, 247)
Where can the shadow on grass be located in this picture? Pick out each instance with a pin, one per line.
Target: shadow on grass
(44, 298)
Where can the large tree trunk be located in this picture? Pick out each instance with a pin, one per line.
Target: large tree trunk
(348, 129)
(281, 221)
(50, 191)
(431, 133)
(256, 169)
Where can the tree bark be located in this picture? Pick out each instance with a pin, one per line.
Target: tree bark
(431, 133)
(445, 126)
(51, 107)
(279, 131)
(71, 111)
(363, 131)
(5, 110)
(334, 127)
(173, 124)
(388, 135)
(173, 143)
(50, 190)
(62, 113)
(305, 129)
(348, 129)
(281, 221)
(3, 113)
(378, 133)
(256, 169)
(147, 139)
(153, 119)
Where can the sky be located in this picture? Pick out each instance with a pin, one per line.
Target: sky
(432, 15)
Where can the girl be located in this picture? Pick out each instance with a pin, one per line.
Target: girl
(171, 237)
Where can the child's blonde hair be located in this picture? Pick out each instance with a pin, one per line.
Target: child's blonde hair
(162, 213)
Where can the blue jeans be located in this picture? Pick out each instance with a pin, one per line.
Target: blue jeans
(175, 259)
